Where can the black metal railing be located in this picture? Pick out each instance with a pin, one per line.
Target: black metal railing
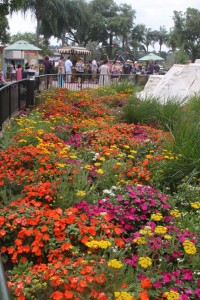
(21, 94)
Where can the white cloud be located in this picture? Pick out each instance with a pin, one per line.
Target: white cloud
(156, 13)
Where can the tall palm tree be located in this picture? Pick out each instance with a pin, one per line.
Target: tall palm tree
(148, 39)
(161, 36)
(41, 9)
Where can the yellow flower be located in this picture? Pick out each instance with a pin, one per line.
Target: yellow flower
(131, 156)
(114, 263)
(61, 165)
(140, 240)
(98, 244)
(189, 247)
(167, 236)
(195, 205)
(100, 171)
(172, 295)
(102, 158)
(88, 167)
(104, 244)
(123, 296)
(175, 212)
(97, 164)
(160, 229)
(145, 262)
(22, 141)
(133, 151)
(156, 217)
(146, 231)
(81, 193)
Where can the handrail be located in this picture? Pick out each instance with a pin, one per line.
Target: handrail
(20, 94)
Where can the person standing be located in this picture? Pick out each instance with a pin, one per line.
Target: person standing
(94, 68)
(104, 70)
(2, 79)
(127, 68)
(19, 72)
(25, 70)
(80, 70)
(47, 69)
(116, 71)
(12, 71)
(61, 71)
(68, 69)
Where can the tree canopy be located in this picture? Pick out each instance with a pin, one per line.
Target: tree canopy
(186, 32)
(105, 23)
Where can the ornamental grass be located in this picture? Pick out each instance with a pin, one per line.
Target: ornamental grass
(83, 214)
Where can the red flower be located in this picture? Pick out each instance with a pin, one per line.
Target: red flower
(146, 283)
(68, 295)
(57, 295)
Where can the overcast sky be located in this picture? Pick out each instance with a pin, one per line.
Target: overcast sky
(152, 13)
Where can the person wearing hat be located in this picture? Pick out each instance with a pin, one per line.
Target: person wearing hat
(127, 68)
(80, 66)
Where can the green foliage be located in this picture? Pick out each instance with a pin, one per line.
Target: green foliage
(150, 111)
(185, 145)
(4, 36)
(186, 32)
(181, 57)
(138, 112)
(123, 87)
(193, 105)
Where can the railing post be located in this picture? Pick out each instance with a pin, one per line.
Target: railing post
(30, 92)
(4, 293)
(9, 103)
(19, 94)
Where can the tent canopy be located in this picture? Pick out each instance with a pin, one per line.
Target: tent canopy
(22, 45)
(73, 50)
(151, 56)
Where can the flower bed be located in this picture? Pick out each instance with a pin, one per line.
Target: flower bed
(80, 215)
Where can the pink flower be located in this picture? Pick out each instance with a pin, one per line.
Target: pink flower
(167, 277)
(157, 284)
(197, 292)
(187, 275)
(198, 282)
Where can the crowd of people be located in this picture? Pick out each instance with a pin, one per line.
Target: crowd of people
(101, 72)
(107, 70)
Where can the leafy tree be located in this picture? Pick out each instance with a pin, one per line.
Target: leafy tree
(145, 37)
(4, 36)
(137, 36)
(186, 32)
(70, 22)
(5, 6)
(161, 36)
(101, 20)
(122, 23)
(41, 9)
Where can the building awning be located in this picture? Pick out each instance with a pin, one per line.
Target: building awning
(74, 50)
